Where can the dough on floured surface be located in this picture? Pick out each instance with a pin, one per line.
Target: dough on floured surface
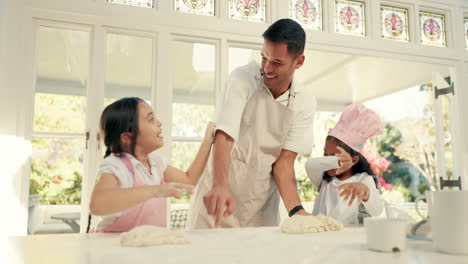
(300, 224)
(144, 236)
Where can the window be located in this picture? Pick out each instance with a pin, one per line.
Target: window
(249, 10)
(129, 67)
(198, 7)
(432, 29)
(193, 98)
(142, 3)
(408, 141)
(59, 138)
(466, 32)
(394, 23)
(350, 18)
(242, 56)
(308, 13)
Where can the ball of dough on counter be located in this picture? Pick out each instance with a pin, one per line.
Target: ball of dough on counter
(300, 224)
(144, 236)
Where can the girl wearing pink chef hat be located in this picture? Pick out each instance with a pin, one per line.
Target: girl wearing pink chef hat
(348, 189)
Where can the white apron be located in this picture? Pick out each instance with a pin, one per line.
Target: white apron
(263, 131)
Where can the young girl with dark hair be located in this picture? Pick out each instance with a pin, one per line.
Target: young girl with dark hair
(348, 189)
(134, 181)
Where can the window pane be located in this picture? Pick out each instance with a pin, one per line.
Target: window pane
(308, 13)
(408, 141)
(432, 29)
(242, 56)
(183, 154)
(448, 147)
(61, 81)
(249, 10)
(129, 66)
(190, 120)
(323, 122)
(193, 88)
(59, 113)
(394, 23)
(142, 3)
(350, 18)
(198, 7)
(57, 169)
(466, 32)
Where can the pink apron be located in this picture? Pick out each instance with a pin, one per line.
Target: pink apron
(149, 212)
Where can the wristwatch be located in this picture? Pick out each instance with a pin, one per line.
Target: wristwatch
(295, 210)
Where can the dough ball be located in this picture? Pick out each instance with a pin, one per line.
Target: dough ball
(144, 236)
(300, 224)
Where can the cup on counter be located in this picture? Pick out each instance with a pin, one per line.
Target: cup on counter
(422, 228)
(385, 234)
(448, 214)
(427, 198)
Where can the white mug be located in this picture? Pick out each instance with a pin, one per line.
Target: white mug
(384, 234)
(449, 221)
(427, 197)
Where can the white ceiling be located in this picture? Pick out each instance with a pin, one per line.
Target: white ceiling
(339, 79)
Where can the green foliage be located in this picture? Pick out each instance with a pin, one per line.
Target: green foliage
(307, 192)
(57, 163)
(385, 143)
(422, 188)
(59, 113)
(56, 170)
(404, 191)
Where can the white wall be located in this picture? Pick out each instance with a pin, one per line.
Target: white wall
(14, 148)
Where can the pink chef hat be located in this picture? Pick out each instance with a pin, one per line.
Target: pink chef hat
(357, 123)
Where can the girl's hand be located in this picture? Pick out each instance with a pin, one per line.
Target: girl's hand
(209, 132)
(352, 190)
(344, 160)
(171, 189)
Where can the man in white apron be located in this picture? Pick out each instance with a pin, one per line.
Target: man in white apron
(264, 120)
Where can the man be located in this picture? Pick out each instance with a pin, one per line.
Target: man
(264, 121)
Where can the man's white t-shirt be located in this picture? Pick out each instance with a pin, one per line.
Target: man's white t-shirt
(243, 82)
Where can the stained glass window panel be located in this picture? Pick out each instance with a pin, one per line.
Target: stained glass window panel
(466, 33)
(308, 13)
(249, 10)
(198, 7)
(350, 18)
(432, 29)
(394, 23)
(142, 3)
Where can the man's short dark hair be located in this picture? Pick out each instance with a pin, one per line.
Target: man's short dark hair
(287, 31)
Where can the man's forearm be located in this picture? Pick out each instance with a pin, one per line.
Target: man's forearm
(221, 157)
(284, 175)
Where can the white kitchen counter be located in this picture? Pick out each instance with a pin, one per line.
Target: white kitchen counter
(247, 245)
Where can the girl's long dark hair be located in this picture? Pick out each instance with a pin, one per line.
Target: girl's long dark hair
(117, 118)
(361, 166)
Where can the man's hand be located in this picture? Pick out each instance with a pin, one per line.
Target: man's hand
(352, 190)
(219, 202)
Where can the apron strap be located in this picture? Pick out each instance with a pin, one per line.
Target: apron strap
(126, 160)
(292, 96)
